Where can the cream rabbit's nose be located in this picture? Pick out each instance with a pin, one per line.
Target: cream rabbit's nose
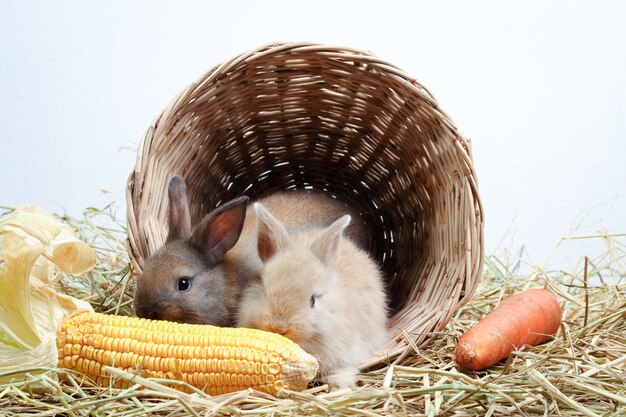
(277, 328)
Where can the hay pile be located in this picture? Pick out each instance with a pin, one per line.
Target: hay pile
(581, 372)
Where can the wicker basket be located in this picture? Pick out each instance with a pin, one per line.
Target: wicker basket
(293, 116)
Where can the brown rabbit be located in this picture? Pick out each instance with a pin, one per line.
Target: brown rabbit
(185, 279)
(321, 291)
(198, 274)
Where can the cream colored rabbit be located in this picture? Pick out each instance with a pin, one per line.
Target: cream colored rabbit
(320, 290)
(198, 274)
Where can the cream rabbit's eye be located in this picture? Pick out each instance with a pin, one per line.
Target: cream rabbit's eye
(183, 284)
(312, 301)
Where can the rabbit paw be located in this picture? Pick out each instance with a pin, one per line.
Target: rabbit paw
(343, 378)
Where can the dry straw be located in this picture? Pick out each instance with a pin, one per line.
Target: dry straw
(340, 121)
(580, 373)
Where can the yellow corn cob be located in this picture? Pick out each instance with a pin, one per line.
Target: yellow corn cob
(214, 359)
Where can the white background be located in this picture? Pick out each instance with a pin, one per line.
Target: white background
(539, 88)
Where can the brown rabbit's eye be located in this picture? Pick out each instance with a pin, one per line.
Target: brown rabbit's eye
(312, 301)
(183, 284)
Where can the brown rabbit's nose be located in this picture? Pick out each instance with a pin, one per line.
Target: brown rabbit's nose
(148, 312)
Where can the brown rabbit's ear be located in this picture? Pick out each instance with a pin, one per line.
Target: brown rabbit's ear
(179, 220)
(271, 234)
(326, 246)
(218, 232)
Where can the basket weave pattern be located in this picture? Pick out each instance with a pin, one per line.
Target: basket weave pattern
(341, 121)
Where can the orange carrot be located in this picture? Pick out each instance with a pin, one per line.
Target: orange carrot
(528, 318)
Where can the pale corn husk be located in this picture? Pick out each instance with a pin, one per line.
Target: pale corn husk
(36, 248)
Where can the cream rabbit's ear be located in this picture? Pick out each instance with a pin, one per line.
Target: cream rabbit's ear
(326, 246)
(272, 236)
(179, 220)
